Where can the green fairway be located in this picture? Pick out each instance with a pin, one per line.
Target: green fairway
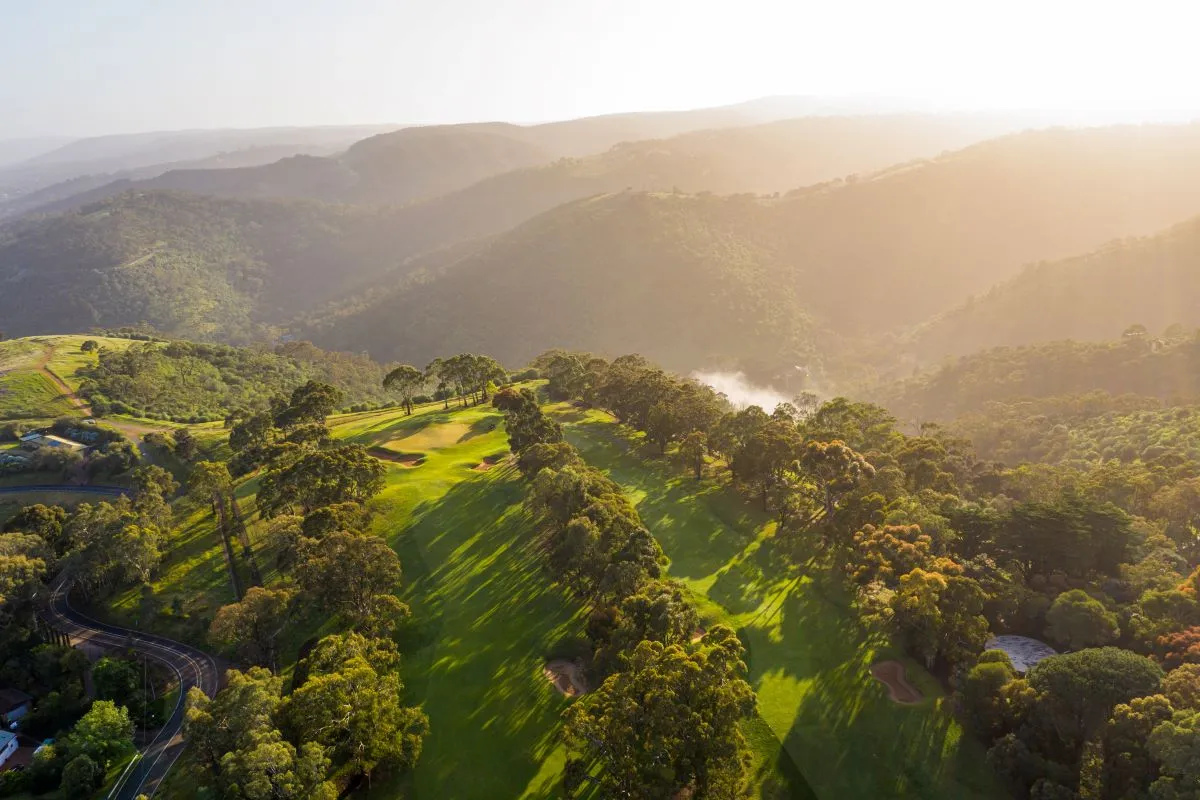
(808, 657)
(485, 617)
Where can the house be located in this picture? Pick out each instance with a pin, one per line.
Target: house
(8, 746)
(32, 440)
(14, 704)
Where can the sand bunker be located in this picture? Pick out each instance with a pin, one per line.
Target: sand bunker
(401, 459)
(891, 675)
(488, 463)
(567, 676)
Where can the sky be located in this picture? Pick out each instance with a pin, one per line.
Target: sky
(88, 67)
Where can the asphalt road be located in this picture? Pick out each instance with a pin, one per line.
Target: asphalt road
(107, 491)
(192, 667)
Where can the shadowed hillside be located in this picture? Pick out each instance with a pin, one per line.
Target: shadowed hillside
(187, 265)
(857, 257)
(1153, 281)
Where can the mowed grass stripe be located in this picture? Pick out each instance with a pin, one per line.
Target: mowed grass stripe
(484, 617)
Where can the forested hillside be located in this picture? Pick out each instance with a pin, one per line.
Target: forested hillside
(1153, 281)
(398, 167)
(647, 272)
(187, 265)
(190, 382)
(1167, 369)
(962, 222)
(684, 277)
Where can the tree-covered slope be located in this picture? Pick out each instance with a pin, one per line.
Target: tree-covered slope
(684, 278)
(1137, 365)
(919, 239)
(1153, 281)
(859, 257)
(187, 265)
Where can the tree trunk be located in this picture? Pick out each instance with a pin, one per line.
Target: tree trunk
(699, 466)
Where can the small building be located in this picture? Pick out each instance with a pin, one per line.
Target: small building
(1022, 651)
(33, 440)
(8, 746)
(14, 704)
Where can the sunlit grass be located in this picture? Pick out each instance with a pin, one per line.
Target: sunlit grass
(828, 723)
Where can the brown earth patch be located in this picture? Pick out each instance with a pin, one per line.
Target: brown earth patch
(891, 675)
(567, 677)
(698, 634)
(402, 459)
(489, 462)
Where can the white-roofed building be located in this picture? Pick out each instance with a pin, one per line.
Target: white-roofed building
(1022, 651)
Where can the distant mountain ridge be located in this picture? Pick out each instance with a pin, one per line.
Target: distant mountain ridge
(848, 260)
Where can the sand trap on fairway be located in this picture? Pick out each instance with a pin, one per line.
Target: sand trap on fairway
(488, 462)
(431, 437)
(891, 675)
(401, 459)
(567, 676)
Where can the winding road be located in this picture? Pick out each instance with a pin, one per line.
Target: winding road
(192, 668)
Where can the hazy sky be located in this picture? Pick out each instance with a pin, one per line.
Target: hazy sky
(97, 66)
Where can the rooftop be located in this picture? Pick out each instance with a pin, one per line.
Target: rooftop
(1022, 651)
(11, 698)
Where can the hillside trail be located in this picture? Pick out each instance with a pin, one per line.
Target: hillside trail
(133, 430)
(42, 365)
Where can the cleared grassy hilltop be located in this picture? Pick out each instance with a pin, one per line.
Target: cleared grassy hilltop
(485, 620)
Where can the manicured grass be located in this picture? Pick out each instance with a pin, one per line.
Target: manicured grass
(484, 617)
(832, 726)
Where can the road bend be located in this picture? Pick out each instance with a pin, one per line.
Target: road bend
(191, 667)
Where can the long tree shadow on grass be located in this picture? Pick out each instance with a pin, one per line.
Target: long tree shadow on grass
(477, 668)
(845, 735)
(701, 527)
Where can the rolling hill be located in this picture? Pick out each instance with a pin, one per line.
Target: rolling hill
(484, 178)
(128, 155)
(681, 278)
(187, 265)
(1152, 281)
(854, 258)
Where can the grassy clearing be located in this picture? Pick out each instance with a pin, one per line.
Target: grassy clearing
(67, 359)
(830, 723)
(28, 394)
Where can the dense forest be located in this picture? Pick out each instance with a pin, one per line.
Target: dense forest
(1152, 281)
(186, 265)
(1167, 368)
